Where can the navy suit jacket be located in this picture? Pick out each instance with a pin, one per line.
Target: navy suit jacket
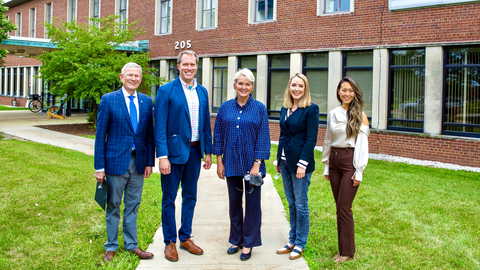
(115, 136)
(298, 137)
(173, 131)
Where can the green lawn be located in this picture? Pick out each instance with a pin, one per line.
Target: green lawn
(48, 217)
(406, 217)
(6, 108)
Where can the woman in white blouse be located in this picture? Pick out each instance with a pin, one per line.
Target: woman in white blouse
(345, 155)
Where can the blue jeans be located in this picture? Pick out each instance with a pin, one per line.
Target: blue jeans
(296, 191)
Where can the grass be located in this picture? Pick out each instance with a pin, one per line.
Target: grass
(48, 217)
(406, 217)
(8, 108)
(88, 136)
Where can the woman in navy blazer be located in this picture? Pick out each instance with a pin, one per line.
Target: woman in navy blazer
(295, 159)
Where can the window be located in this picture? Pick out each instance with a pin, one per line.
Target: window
(18, 22)
(278, 76)
(209, 14)
(163, 17)
(407, 90)
(461, 105)
(315, 67)
(32, 19)
(172, 70)
(359, 65)
(95, 9)
(262, 11)
(72, 10)
(220, 80)
(249, 62)
(122, 11)
(48, 16)
(199, 71)
(334, 6)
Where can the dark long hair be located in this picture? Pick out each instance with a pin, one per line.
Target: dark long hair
(355, 110)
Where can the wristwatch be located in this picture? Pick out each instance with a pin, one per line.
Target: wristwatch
(259, 162)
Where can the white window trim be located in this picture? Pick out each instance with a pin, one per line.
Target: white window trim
(251, 12)
(321, 9)
(18, 23)
(69, 10)
(158, 6)
(198, 24)
(32, 14)
(45, 17)
(117, 9)
(90, 10)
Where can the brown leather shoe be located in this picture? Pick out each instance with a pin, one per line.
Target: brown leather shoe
(296, 253)
(142, 254)
(343, 259)
(108, 256)
(191, 247)
(286, 249)
(171, 252)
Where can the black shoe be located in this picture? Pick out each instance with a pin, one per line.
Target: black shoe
(244, 257)
(231, 250)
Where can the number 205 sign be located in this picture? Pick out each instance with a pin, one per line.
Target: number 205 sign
(183, 44)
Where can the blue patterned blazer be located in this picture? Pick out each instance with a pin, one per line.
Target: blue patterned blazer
(115, 136)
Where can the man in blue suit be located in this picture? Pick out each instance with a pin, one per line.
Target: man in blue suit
(124, 155)
(182, 135)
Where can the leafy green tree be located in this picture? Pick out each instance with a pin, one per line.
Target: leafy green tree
(87, 64)
(6, 27)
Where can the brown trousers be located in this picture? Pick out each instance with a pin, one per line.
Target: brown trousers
(341, 171)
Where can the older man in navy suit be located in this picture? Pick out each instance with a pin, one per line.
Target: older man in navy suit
(124, 155)
(182, 135)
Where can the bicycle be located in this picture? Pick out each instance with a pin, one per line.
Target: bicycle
(36, 104)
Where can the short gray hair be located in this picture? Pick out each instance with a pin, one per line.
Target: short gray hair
(245, 72)
(131, 64)
(190, 52)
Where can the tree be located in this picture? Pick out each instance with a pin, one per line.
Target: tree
(86, 64)
(6, 27)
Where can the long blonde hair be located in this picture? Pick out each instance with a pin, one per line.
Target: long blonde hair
(304, 101)
(355, 110)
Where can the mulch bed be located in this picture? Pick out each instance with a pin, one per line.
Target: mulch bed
(73, 129)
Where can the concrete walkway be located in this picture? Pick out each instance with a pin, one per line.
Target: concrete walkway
(211, 222)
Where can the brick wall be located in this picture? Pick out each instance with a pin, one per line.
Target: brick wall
(297, 28)
(461, 151)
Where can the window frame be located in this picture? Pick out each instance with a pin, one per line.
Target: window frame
(95, 9)
(158, 17)
(32, 20)
(304, 72)
(391, 69)
(321, 8)
(120, 10)
(72, 10)
(345, 68)
(446, 66)
(48, 15)
(224, 76)
(18, 23)
(252, 14)
(200, 24)
(273, 114)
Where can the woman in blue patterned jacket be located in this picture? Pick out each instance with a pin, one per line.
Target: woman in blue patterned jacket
(242, 142)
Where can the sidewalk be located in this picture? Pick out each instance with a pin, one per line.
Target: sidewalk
(211, 222)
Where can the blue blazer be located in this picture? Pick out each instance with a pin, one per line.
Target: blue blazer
(173, 131)
(115, 136)
(298, 137)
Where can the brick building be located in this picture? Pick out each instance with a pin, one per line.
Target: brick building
(417, 62)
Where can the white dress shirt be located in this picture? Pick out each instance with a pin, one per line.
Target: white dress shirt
(336, 136)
